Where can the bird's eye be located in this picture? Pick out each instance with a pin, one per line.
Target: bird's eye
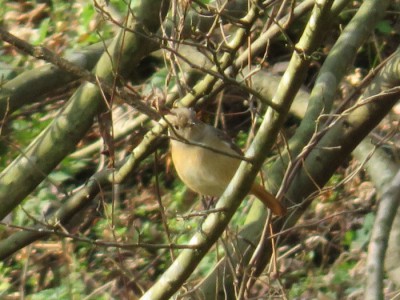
(176, 127)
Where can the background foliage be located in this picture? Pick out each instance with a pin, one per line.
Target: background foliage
(94, 254)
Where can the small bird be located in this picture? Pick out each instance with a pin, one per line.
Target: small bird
(205, 158)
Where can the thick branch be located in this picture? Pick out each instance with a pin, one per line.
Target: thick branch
(32, 84)
(214, 225)
(61, 136)
(257, 215)
(379, 240)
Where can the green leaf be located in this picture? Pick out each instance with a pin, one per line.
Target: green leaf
(363, 234)
(384, 27)
(43, 31)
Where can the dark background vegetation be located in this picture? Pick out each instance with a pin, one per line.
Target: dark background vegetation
(118, 244)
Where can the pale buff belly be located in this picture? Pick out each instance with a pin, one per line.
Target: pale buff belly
(202, 170)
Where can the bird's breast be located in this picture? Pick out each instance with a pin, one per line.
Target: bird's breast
(202, 170)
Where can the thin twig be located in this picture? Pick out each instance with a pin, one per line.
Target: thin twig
(101, 243)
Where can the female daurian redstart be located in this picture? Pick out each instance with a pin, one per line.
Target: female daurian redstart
(203, 169)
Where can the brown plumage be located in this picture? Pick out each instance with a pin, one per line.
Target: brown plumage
(203, 170)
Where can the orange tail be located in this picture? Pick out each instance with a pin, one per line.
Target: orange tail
(268, 199)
